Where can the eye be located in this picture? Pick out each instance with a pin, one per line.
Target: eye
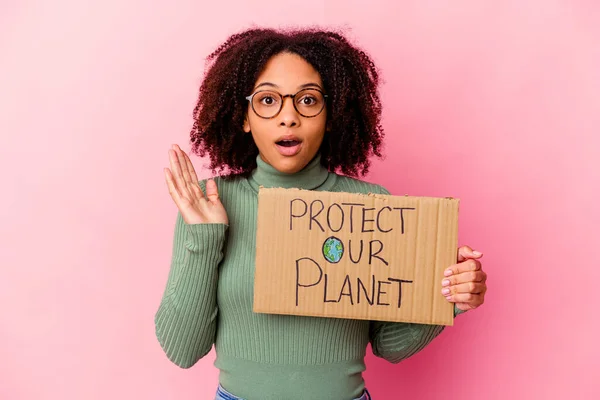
(308, 100)
(267, 99)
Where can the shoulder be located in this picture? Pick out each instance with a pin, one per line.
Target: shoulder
(353, 185)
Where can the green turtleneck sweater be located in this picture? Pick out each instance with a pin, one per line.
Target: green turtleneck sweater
(209, 294)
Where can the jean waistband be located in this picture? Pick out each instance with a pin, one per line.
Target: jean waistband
(223, 394)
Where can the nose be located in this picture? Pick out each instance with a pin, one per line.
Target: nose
(288, 116)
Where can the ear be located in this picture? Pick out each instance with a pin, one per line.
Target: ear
(246, 125)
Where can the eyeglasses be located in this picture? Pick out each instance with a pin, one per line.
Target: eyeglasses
(267, 104)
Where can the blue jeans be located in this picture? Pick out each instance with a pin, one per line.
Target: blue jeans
(223, 394)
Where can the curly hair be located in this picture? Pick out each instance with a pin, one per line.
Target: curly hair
(350, 79)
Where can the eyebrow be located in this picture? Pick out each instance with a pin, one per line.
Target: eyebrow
(306, 85)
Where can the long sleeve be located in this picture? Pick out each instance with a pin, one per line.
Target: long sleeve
(187, 316)
(396, 341)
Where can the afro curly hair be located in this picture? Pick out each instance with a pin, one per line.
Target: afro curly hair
(350, 80)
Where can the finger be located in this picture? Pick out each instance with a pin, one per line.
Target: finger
(191, 169)
(464, 266)
(464, 306)
(465, 253)
(470, 298)
(176, 169)
(194, 185)
(183, 164)
(470, 276)
(469, 287)
(212, 192)
(171, 186)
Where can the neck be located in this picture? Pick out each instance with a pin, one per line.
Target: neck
(312, 176)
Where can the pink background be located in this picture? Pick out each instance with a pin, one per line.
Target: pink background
(494, 102)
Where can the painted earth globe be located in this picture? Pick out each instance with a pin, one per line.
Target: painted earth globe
(333, 249)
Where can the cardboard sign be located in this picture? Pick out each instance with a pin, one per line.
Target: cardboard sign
(354, 256)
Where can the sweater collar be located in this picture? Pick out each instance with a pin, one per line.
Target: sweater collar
(311, 177)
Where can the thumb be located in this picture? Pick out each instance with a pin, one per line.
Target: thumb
(212, 192)
(465, 253)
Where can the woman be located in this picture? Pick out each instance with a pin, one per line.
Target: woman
(279, 109)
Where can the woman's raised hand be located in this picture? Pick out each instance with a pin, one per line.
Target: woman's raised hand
(194, 206)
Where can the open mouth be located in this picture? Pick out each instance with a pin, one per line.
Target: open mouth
(289, 146)
(288, 143)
